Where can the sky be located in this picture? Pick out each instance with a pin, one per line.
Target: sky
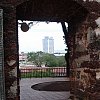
(32, 39)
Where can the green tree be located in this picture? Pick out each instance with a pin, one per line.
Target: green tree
(49, 60)
(31, 56)
(36, 58)
(61, 61)
(39, 58)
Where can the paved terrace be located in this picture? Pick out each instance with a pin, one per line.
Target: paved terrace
(27, 93)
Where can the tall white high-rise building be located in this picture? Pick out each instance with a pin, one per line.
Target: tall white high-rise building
(51, 45)
(45, 44)
(48, 45)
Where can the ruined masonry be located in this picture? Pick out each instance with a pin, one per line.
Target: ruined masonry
(83, 41)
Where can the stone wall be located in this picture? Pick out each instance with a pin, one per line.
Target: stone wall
(10, 52)
(85, 69)
(83, 42)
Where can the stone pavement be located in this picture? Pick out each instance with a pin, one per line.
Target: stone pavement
(27, 93)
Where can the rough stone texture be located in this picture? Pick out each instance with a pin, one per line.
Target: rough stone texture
(86, 63)
(10, 52)
(82, 41)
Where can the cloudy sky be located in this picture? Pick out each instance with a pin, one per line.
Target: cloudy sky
(32, 40)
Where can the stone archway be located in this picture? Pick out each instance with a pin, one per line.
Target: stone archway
(80, 15)
(52, 11)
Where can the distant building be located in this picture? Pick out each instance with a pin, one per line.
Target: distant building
(22, 58)
(45, 44)
(51, 45)
(48, 45)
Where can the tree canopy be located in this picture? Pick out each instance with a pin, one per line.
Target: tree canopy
(49, 60)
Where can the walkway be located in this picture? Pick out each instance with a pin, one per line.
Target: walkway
(27, 93)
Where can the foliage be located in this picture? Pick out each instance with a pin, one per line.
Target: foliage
(50, 60)
(36, 58)
(61, 61)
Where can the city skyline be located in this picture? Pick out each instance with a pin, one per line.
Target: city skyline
(32, 40)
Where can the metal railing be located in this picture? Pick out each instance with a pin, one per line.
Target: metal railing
(39, 72)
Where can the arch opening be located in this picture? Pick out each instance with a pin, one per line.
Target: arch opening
(56, 11)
